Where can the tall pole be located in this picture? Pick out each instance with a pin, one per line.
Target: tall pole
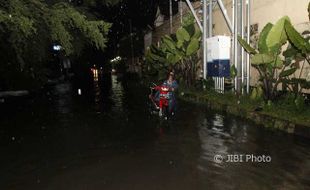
(204, 39)
(170, 11)
(226, 17)
(195, 15)
(210, 18)
(236, 43)
(233, 35)
(242, 49)
(131, 43)
(239, 48)
(248, 8)
(181, 11)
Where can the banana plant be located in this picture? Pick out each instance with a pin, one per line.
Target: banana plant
(300, 46)
(297, 52)
(177, 51)
(267, 59)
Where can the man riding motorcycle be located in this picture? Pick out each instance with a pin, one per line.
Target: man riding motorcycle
(167, 89)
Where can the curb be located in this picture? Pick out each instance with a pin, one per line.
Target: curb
(258, 118)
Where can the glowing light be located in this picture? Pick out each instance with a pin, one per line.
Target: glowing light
(118, 58)
(57, 47)
(95, 74)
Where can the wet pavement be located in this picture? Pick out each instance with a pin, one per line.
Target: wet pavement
(106, 139)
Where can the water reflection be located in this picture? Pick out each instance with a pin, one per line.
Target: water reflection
(224, 135)
(108, 92)
(117, 94)
(63, 97)
(66, 144)
(97, 89)
(95, 74)
(213, 138)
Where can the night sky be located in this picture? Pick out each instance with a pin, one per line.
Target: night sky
(141, 14)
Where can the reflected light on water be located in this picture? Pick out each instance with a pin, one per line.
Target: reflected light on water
(118, 94)
(95, 74)
(212, 137)
(101, 86)
(218, 121)
(64, 99)
(97, 89)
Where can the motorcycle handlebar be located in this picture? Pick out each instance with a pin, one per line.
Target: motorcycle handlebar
(170, 89)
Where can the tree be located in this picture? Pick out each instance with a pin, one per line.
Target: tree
(178, 52)
(104, 2)
(29, 28)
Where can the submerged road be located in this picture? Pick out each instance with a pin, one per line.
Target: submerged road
(106, 139)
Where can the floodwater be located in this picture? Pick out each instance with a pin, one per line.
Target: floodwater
(106, 139)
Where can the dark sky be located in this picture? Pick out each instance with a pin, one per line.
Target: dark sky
(140, 13)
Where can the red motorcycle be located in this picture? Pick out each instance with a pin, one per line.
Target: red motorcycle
(160, 99)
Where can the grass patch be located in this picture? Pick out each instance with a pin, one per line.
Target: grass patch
(283, 108)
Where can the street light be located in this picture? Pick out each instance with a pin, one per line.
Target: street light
(57, 47)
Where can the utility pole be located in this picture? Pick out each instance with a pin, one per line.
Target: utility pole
(131, 43)
(242, 49)
(181, 10)
(195, 15)
(170, 11)
(204, 39)
(248, 9)
(210, 18)
(239, 49)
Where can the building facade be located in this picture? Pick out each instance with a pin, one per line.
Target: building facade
(262, 12)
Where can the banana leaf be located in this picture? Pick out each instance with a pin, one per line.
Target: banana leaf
(246, 46)
(169, 43)
(233, 71)
(277, 35)
(278, 63)
(197, 34)
(192, 47)
(180, 44)
(182, 35)
(157, 58)
(261, 59)
(288, 72)
(296, 39)
(262, 44)
(190, 29)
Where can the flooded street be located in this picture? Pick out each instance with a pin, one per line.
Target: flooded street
(106, 139)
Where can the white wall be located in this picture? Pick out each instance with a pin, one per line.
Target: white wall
(264, 11)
